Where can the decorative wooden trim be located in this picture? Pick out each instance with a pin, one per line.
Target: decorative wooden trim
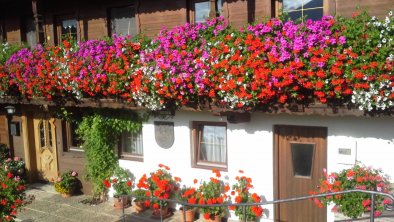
(276, 169)
(311, 109)
(26, 147)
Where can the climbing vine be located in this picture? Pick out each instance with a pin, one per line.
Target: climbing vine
(99, 130)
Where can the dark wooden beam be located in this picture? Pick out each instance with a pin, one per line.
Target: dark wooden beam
(251, 8)
(38, 20)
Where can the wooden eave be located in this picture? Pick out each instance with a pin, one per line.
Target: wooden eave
(312, 109)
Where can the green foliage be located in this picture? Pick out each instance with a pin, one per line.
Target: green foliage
(122, 181)
(68, 183)
(6, 51)
(100, 130)
(4, 152)
(358, 177)
(139, 195)
(12, 188)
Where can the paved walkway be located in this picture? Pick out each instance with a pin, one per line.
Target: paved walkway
(49, 206)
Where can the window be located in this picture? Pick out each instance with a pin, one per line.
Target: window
(29, 32)
(67, 28)
(311, 9)
(201, 10)
(73, 143)
(131, 146)
(209, 145)
(122, 21)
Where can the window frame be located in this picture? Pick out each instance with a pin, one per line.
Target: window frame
(109, 15)
(131, 156)
(58, 27)
(192, 18)
(69, 139)
(328, 8)
(196, 163)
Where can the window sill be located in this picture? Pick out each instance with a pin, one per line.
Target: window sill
(205, 166)
(132, 158)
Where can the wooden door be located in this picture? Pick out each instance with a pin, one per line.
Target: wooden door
(45, 143)
(301, 155)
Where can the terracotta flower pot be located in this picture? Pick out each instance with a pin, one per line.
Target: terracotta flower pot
(66, 195)
(139, 206)
(190, 215)
(215, 219)
(163, 211)
(120, 202)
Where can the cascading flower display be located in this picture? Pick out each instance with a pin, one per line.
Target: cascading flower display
(358, 177)
(338, 61)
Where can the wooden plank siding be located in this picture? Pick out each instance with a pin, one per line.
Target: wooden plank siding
(3, 130)
(377, 8)
(151, 15)
(12, 29)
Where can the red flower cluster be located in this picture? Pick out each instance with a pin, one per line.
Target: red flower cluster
(213, 192)
(160, 183)
(242, 191)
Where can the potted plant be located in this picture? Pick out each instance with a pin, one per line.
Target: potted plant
(162, 186)
(121, 182)
(241, 191)
(353, 205)
(15, 165)
(140, 200)
(12, 195)
(188, 195)
(68, 183)
(213, 192)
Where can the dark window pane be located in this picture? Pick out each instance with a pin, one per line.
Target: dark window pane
(50, 134)
(313, 3)
(302, 156)
(289, 5)
(201, 11)
(314, 14)
(295, 15)
(123, 21)
(42, 134)
(75, 141)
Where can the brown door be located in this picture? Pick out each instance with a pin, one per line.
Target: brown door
(45, 143)
(301, 155)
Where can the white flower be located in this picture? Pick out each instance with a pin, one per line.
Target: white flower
(384, 40)
(379, 45)
(390, 13)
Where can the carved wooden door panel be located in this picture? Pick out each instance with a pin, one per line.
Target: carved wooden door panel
(302, 155)
(45, 141)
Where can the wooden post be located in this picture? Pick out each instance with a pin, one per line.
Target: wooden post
(38, 21)
(212, 9)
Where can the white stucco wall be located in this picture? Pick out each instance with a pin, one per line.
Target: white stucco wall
(250, 147)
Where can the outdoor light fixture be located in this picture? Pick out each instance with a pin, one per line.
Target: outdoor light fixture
(10, 110)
